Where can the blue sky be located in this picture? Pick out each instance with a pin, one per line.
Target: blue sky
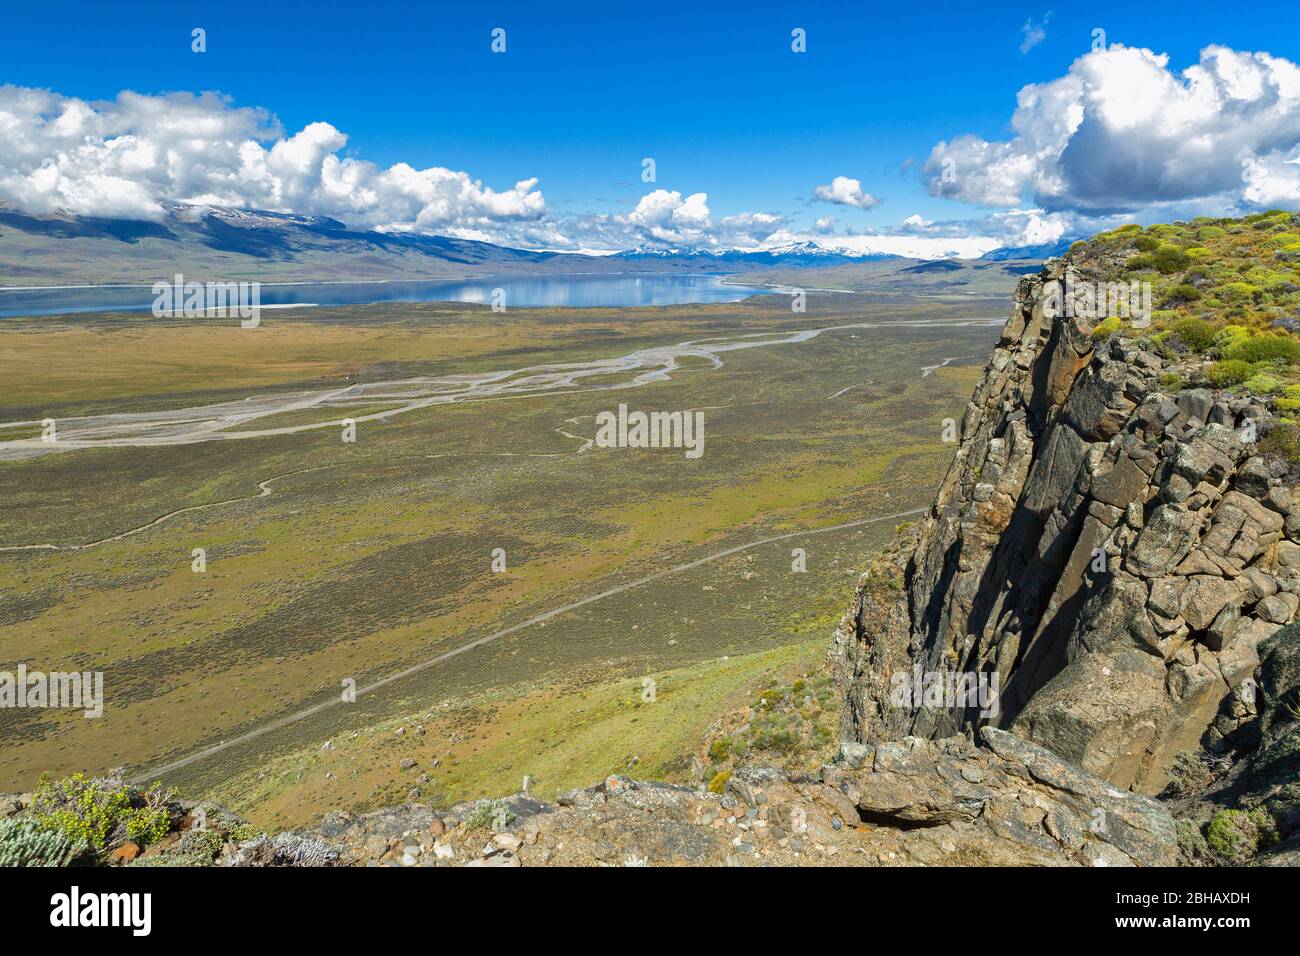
(712, 91)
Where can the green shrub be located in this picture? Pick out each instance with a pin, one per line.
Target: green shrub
(1290, 400)
(1169, 258)
(1106, 328)
(1229, 372)
(1196, 333)
(102, 813)
(1265, 348)
(25, 842)
(769, 698)
(239, 832)
(489, 813)
(775, 734)
(1237, 292)
(195, 848)
(1171, 382)
(1181, 294)
(1146, 244)
(1282, 441)
(720, 749)
(1237, 835)
(1228, 336)
(1143, 260)
(719, 782)
(1262, 384)
(1191, 844)
(1263, 278)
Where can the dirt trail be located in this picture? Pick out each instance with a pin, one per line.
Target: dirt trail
(264, 486)
(155, 773)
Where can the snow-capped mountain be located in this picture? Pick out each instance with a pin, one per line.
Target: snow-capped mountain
(792, 249)
(795, 253)
(217, 242)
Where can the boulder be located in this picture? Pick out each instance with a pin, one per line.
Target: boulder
(1203, 598)
(1098, 406)
(1100, 712)
(1164, 541)
(1252, 477)
(1278, 608)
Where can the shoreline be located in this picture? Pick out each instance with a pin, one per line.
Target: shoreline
(570, 283)
(439, 279)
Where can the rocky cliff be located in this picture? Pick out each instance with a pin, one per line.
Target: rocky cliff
(1106, 551)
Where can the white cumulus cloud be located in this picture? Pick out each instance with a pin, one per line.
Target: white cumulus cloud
(664, 219)
(123, 158)
(1120, 131)
(131, 156)
(844, 191)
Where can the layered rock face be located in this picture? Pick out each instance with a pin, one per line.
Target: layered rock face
(1106, 555)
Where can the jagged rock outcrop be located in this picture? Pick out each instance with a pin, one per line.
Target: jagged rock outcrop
(908, 803)
(1107, 555)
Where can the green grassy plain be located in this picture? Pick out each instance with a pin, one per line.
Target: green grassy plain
(371, 557)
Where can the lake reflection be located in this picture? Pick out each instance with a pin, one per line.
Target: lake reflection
(519, 292)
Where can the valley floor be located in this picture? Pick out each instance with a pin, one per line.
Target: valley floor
(327, 561)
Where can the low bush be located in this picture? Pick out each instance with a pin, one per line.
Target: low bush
(769, 698)
(1106, 328)
(1197, 334)
(1169, 259)
(1180, 294)
(25, 842)
(1237, 292)
(1171, 382)
(489, 813)
(1289, 402)
(1282, 441)
(102, 813)
(1262, 383)
(1228, 336)
(1265, 348)
(1237, 835)
(1229, 372)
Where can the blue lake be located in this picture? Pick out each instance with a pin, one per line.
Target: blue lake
(572, 291)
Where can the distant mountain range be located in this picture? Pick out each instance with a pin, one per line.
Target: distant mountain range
(814, 255)
(1044, 251)
(225, 243)
(221, 243)
(793, 254)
